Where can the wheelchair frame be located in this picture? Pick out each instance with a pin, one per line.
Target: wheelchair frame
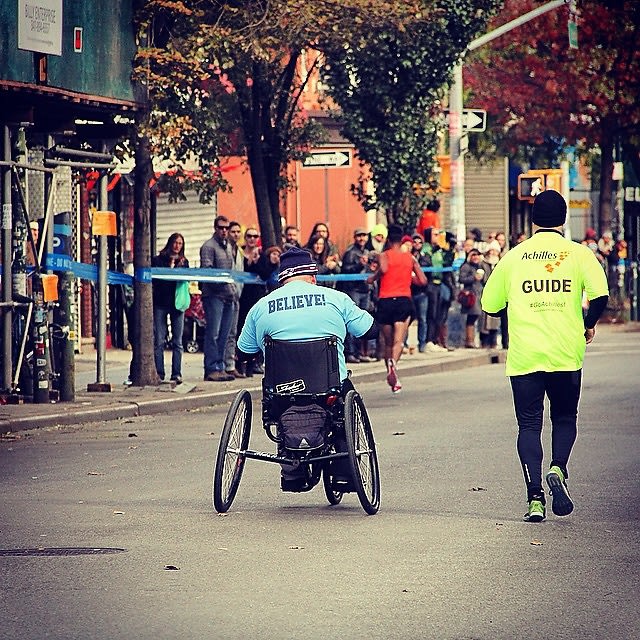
(348, 413)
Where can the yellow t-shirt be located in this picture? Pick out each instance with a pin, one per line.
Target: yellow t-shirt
(541, 282)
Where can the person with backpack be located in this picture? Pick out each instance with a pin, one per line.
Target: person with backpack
(300, 309)
(355, 260)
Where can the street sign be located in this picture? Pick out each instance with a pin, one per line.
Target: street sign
(573, 35)
(472, 119)
(327, 159)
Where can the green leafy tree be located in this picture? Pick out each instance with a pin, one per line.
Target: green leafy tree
(542, 95)
(142, 370)
(222, 80)
(225, 77)
(389, 83)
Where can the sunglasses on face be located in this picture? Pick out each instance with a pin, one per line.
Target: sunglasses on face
(253, 235)
(221, 228)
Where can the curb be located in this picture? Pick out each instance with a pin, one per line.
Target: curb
(113, 411)
(122, 408)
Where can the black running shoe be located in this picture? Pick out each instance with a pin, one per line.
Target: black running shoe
(561, 503)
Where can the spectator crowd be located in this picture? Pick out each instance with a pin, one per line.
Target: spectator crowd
(456, 273)
(450, 268)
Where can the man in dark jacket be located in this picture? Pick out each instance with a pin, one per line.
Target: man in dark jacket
(217, 299)
(356, 260)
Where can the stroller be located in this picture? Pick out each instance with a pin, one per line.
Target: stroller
(194, 324)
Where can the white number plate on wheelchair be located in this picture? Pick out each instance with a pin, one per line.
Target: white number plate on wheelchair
(295, 386)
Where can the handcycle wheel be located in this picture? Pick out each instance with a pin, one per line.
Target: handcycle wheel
(362, 453)
(230, 462)
(334, 497)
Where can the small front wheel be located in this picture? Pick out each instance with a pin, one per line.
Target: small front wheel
(334, 497)
(362, 452)
(192, 346)
(234, 441)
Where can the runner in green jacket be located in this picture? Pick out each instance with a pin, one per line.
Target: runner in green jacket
(540, 284)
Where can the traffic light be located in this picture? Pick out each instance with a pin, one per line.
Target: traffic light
(444, 163)
(536, 181)
(529, 186)
(438, 182)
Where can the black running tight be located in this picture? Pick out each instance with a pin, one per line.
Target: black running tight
(563, 390)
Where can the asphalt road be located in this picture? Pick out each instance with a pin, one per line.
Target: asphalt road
(447, 556)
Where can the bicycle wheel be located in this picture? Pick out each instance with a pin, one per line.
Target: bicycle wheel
(334, 497)
(362, 453)
(230, 460)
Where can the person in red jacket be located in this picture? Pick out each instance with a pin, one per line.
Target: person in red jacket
(429, 218)
(396, 271)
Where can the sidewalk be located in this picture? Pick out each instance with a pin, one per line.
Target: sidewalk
(123, 401)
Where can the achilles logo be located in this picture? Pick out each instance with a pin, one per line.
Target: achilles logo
(539, 255)
(551, 266)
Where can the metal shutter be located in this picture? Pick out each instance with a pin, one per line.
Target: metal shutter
(190, 218)
(487, 196)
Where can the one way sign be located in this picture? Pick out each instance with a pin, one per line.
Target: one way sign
(328, 159)
(472, 119)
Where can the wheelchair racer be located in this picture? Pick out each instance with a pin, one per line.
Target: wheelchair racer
(299, 309)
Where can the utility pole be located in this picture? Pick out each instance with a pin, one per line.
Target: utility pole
(7, 233)
(457, 215)
(103, 225)
(458, 222)
(101, 338)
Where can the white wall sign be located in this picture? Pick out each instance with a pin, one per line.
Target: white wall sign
(40, 26)
(632, 194)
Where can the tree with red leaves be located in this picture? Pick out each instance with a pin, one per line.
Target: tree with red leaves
(540, 92)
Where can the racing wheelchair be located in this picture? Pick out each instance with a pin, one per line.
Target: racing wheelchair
(320, 426)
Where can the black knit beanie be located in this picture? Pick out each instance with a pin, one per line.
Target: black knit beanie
(296, 262)
(549, 209)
